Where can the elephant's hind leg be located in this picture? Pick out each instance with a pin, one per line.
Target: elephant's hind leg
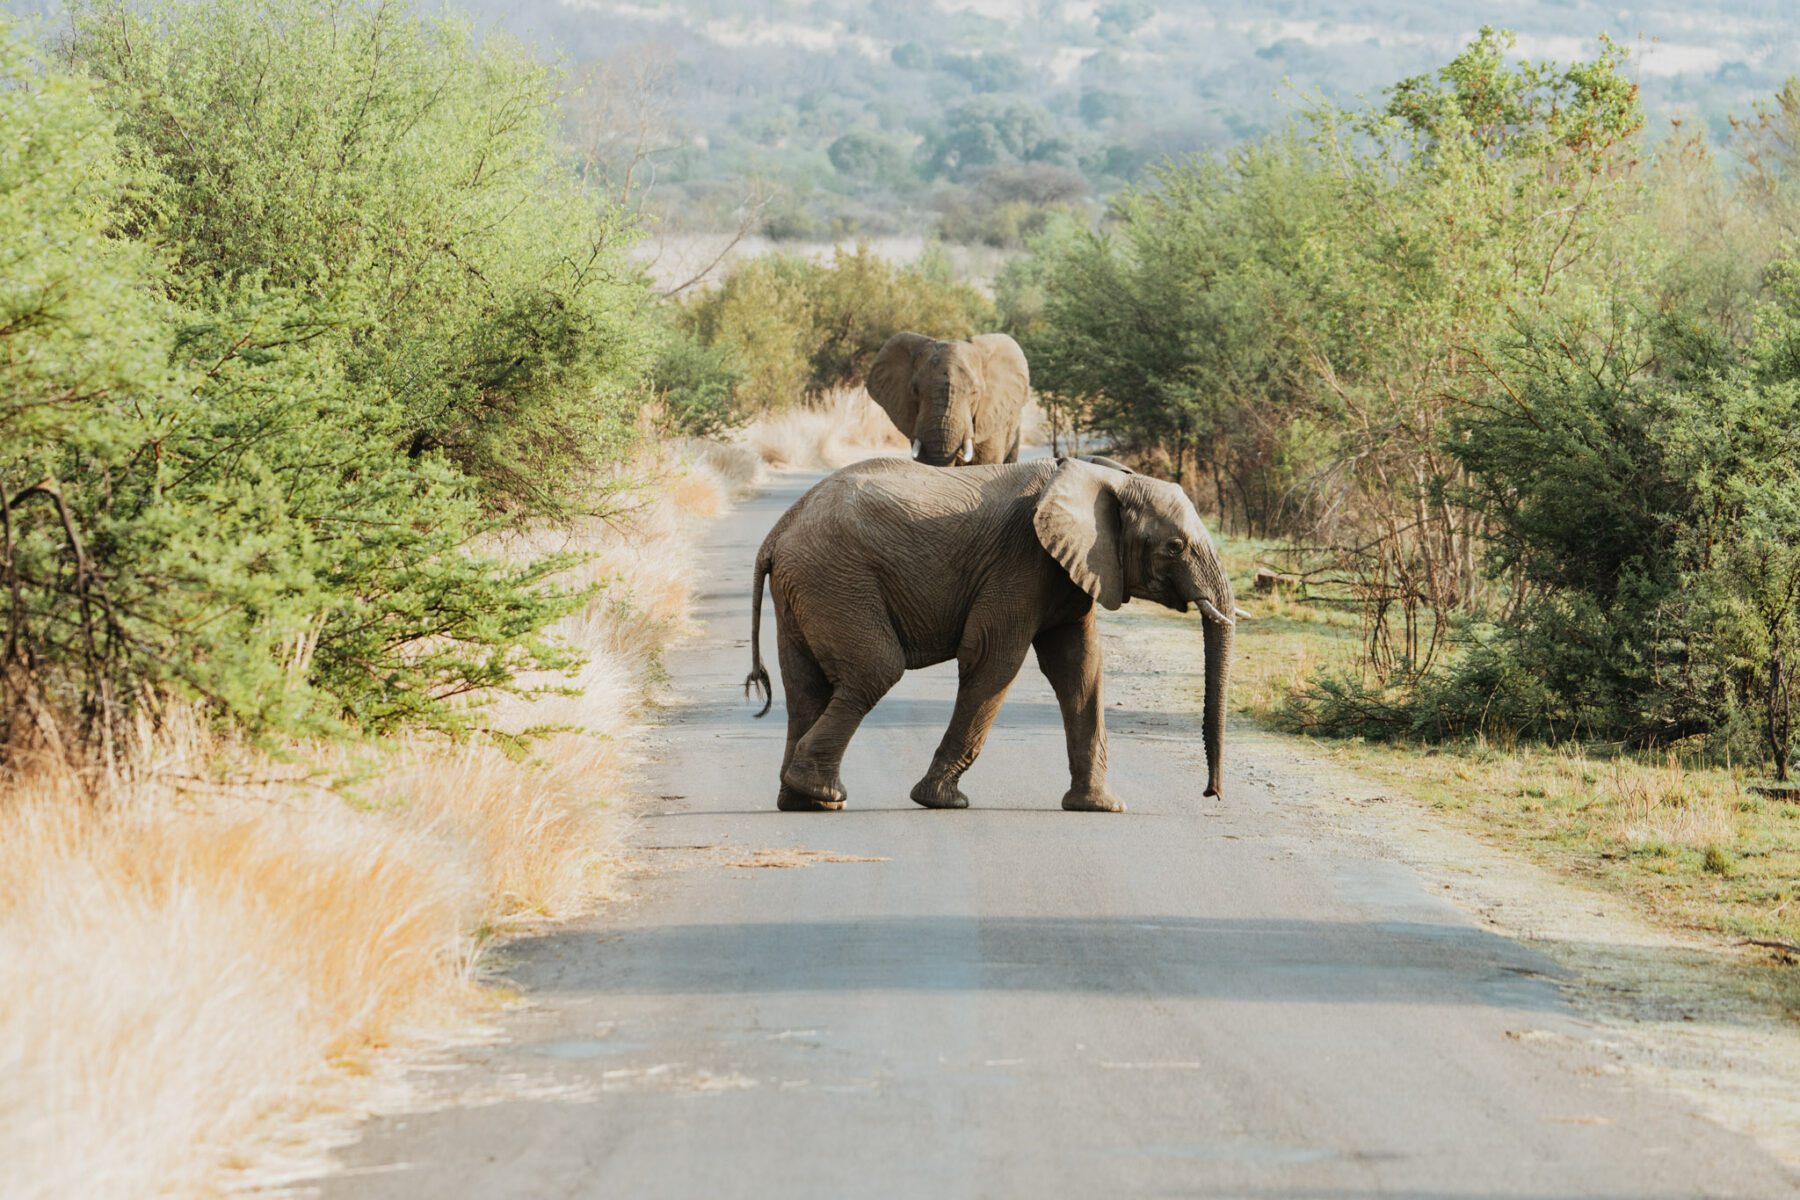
(858, 682)
(807, 692)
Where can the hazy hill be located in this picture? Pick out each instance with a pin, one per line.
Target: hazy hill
(879, 115)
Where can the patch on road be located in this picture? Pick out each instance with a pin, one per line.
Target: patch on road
(796, 857)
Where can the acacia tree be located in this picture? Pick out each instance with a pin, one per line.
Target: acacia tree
(1173, 326)
(1486, 202)
(83, 370)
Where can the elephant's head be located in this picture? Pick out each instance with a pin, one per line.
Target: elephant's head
(1120, 535)
(959, 402)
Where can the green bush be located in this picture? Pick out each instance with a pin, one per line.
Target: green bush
(1656, 524)
(282, 336)
(696, 383)
(794, 328)
(761, 318)
(859, 300)
(1539, 678)
(412, 179)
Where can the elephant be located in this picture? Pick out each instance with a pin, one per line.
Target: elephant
(958, 401)
(892, 565)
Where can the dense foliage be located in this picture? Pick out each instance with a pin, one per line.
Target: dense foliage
(298, 302)
(1519, 387)
(361, 154)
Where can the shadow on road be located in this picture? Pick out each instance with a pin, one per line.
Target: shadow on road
(1264, 960)
(912, 712)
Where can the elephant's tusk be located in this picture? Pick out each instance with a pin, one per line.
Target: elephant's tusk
(915, 447)
(1213, 613)
(968, 450)
(1241, 614)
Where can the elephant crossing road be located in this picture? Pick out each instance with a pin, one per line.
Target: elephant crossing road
(889, 565)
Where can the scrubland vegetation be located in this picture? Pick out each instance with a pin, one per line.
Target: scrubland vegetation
(1495, 370)
(345, 480)
(208, 947)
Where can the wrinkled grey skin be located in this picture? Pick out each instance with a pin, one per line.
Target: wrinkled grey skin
(959, 402)
(889, 565)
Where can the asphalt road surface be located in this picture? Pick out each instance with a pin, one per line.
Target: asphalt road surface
(1189, 999)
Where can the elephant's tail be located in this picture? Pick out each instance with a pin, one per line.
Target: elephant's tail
(759, 674)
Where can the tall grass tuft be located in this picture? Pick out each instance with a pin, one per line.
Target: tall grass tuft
(843, 427)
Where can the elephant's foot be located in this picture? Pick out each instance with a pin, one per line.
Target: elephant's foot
(938, 793)
(1092, 800)
(804, 789)
(788, 800)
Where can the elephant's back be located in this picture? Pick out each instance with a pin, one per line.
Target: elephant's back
(898, 545)
(884, 497)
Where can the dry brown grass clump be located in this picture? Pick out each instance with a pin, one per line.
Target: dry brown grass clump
(737, 468)
(1669, 806)
(207, 953)
(181, 974)
(843, 427)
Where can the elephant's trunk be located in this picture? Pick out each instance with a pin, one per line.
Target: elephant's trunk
(946, 433)
(1212, 720)
(1212, 594)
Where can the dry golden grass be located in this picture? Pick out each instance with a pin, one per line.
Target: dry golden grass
(206, 955)
(180, 982)
(844, 427)
(1285, 643)
(1688, 842)
(737, 468)
(1669, 806)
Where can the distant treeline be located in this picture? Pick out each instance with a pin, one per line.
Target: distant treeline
(863, 118)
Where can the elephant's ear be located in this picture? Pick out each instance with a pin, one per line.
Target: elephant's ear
(1077, 520)
(1007, 375)
(890, 378)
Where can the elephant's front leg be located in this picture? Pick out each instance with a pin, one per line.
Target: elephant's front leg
(982, 682)
(1070, 658)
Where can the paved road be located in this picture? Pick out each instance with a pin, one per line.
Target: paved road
(1190, 999)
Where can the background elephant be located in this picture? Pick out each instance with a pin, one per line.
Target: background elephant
(959, 402)
(891, 565)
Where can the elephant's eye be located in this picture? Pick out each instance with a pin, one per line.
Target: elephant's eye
(1173, 547)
